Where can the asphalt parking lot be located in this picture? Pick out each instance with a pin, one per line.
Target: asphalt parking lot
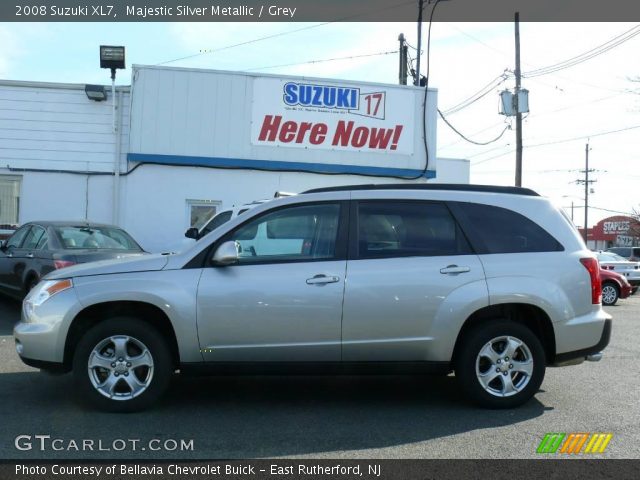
(330, 417)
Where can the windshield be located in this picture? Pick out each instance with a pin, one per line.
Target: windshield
(94, 237)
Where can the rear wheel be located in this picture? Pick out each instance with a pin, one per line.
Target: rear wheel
(122, 364)
(500, 364)
(610, 294)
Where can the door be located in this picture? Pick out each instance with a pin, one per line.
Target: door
(12, 261)
(282, 301)
(31, 263)
(405, 260)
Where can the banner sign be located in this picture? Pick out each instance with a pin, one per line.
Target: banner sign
(365, 118)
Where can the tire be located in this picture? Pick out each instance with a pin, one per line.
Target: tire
(32, 282)
(113, 383)
(610, 294)
(488, 340)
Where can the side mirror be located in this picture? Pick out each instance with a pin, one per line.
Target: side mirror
(192, 233)
(3, 245)
(225, 254)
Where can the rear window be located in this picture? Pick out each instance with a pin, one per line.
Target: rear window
(94, 237)
(499, 230)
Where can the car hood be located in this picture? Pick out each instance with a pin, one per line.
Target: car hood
(631, 265)
(142, 263)
(96, 255)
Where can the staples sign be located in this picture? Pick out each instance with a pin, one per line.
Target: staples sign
(612, 228)
(334, 117)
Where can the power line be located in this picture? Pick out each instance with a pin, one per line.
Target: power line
(555, 142)
(259, 39)
(484, 91)
(599, 134)
(350, 57)
(449, 145)
(609, 210)
(533, 67)
(588, 55)
(468, 139)
(280, 34)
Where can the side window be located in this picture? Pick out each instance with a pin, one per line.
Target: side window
(33, 238)
(403, 229)
(43, 243)
(221, 218)
(16, 239)
(300, 233)
(499, 230)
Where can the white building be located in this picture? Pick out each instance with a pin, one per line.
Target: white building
(188, 142)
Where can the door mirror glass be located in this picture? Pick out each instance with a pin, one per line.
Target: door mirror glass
(192, 233)
(226, 254)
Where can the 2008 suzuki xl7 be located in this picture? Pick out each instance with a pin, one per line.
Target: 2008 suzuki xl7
(493, 283)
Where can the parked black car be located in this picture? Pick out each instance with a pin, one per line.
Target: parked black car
(37, 248)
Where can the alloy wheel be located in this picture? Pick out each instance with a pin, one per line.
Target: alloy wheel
(504, 366)
(120, 367)
(609, 294)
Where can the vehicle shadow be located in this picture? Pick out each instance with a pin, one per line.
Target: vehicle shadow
(9, 315)
(247, 417)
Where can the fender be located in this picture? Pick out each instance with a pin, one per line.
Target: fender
(450, 317)
(172, 291)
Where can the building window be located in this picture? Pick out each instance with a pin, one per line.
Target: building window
(9, 201)
(199, 212)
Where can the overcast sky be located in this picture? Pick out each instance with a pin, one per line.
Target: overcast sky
(589, 99)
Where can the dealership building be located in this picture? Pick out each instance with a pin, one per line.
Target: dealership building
(179, 145)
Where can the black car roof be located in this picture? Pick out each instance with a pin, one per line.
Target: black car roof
(430, 186)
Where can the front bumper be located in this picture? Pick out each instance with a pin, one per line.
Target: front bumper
(41, 334)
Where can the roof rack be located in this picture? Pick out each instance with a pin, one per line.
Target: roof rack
(430, 186)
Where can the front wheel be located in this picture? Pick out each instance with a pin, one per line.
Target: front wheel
(122, 365)
(610, 294)
(500, 364)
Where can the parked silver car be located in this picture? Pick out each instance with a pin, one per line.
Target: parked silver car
(493, 283)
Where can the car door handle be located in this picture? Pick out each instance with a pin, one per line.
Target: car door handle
(29, 255)
(452, 269)
(322, 279)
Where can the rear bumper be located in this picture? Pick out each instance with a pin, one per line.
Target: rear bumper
(582, 354)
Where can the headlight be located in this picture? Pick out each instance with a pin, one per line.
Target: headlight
(45, 290)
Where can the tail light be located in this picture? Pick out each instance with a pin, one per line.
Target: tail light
(63, 263)
(591, 264)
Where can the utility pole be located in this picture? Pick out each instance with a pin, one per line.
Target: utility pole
(572, 210)
(402, 68)
(517, 106)
(586, 182)
(416, 81)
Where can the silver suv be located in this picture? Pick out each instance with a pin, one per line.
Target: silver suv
(493, 283)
